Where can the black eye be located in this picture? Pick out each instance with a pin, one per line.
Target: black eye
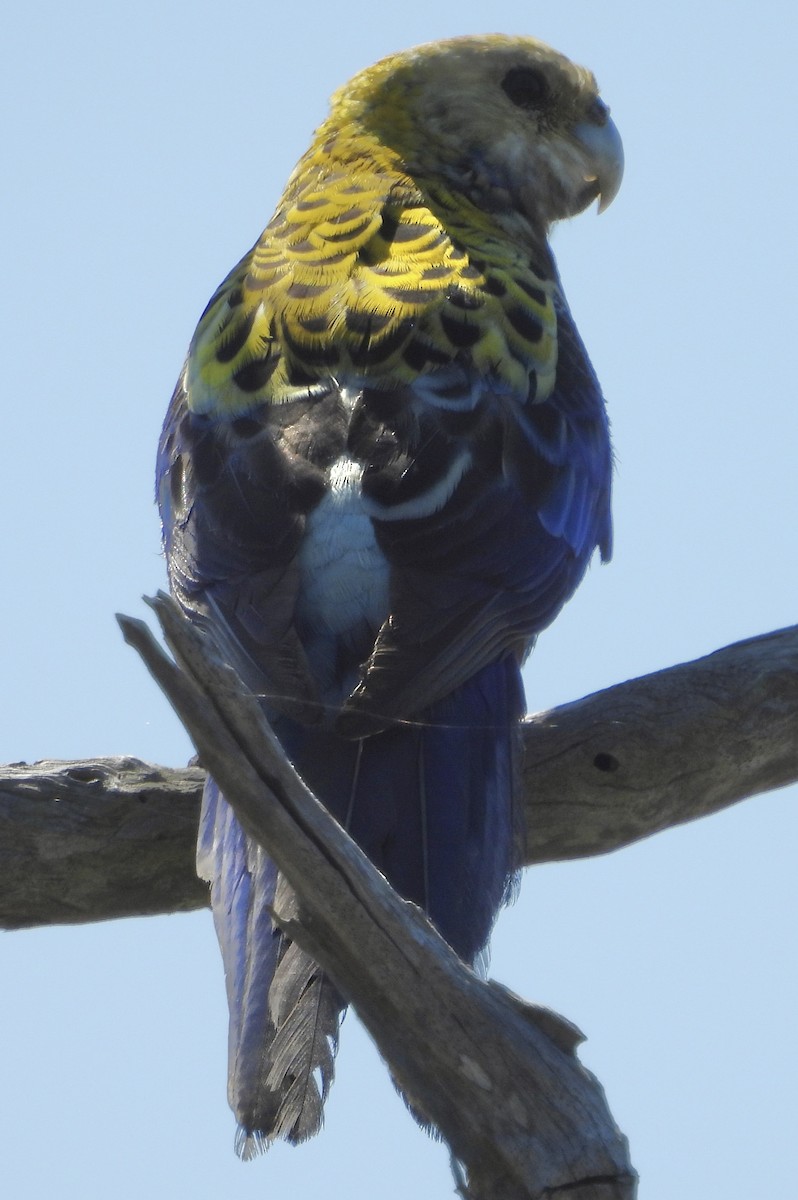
(526, 87)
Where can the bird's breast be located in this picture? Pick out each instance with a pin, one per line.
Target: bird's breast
(343, 592)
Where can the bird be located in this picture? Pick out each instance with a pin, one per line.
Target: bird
(385, 468)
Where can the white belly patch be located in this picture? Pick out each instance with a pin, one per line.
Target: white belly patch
(344, 573)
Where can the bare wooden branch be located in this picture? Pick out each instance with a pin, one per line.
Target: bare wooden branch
(658, 751)
(497, 1077)
(85, 841)
(115, 837)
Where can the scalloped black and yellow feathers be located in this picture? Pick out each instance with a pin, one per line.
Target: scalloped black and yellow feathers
(390, 254)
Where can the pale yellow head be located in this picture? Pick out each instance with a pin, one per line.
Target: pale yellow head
(506, 120)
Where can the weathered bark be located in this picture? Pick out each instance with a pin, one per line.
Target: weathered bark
(497, 1077)
(85, 841)
(115, 837)
(662, 750)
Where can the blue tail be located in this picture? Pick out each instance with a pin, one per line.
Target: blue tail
(431, 803)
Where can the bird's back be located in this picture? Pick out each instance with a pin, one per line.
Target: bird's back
(384, 470)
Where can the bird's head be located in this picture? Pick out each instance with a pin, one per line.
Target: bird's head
(507, 121)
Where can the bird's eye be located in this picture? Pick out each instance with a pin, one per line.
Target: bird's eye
(526, 87)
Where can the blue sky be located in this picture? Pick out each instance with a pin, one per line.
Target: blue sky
(145, 147)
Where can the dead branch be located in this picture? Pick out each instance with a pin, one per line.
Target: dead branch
(662, 750)
(86, 841)
(115, 837)
(497, 1077)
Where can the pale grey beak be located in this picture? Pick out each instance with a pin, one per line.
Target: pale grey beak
(605, 148)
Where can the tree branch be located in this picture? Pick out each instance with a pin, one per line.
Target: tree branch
(115, 837)
(86, 841)
(497, 1077)
(658, 751)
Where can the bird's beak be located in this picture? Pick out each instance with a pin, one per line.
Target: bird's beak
(605, 150)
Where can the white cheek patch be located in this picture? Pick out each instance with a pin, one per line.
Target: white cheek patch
(344, 572)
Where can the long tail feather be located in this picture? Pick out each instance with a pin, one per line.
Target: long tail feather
(431, 803)
(284, 1012)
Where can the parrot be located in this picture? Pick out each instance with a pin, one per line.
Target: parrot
(384, 470)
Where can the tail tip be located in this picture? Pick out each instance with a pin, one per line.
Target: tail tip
(250, 1143)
